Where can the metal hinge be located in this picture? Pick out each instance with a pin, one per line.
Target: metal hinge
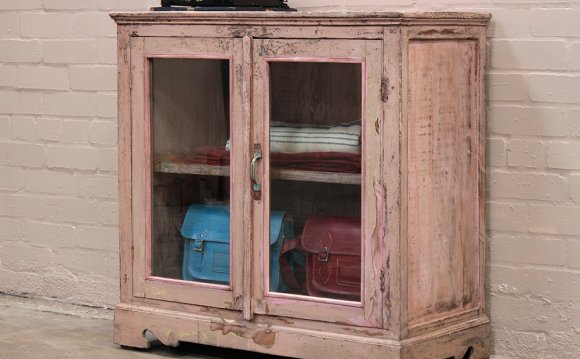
(382, 278)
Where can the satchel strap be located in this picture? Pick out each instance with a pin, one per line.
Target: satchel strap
(288, 275)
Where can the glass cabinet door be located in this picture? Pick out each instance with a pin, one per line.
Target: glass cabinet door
(315, 170)
(190, 100)
(321, 163)
(191, 165)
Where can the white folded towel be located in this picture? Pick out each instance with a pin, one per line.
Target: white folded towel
(292, 138)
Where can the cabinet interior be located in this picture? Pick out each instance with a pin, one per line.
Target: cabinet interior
(190, 122)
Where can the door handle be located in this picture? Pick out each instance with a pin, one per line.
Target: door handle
(256, 187)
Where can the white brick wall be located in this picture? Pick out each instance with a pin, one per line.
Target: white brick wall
(58, 159)
(58, 170)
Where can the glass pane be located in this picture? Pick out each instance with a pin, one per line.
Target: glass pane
(191, 185)
(315, 176)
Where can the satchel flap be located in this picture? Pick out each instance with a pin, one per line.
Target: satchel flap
(207, 223)
(276, 219)
(336, 235)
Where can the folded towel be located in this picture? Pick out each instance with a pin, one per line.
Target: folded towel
(290, 138)
(294, 138)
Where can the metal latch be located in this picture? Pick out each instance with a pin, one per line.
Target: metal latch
(198, 245)
(324, 254)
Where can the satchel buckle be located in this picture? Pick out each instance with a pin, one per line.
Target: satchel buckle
(198, 245)
(324, 254)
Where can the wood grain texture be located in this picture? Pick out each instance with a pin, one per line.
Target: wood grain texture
(403, 317)
(139, 164)
(288, 31)
(372, 186)
(391, 177)
(313, 176)
(443, 244)
(239, 182)
(481, 147)
(243, 190)
(315, 93)
(125, 181)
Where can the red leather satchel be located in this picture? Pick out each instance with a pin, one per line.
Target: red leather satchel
(332, 246)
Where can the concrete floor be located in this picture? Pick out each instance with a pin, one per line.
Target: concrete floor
(32, 328)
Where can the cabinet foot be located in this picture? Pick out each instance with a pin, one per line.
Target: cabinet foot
(472, 343)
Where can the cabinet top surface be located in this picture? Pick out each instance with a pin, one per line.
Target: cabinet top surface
(334, 17)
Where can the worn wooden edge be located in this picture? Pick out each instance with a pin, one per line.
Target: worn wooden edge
(257, 123)
(138, 190)
(172, 327)
(456, 342)
(482, 173)
(124, 159)
(442, 322)
(391, 166)
(265, 319)
(450, 32)
(227, 30)
(403, 175)
(188, 168)
(245, 188)
(313, 176)
(373, 219)
(303, 18)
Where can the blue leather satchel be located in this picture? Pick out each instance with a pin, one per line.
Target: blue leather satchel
(206, 255)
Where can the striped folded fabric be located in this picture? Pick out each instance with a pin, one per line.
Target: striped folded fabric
(291, 138)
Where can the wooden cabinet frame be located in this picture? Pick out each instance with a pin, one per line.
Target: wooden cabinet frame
(423, 181)
(368, 54)
(146, 285)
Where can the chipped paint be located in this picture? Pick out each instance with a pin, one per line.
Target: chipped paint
(265, 337)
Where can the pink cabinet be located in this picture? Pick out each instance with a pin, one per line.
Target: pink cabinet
(303, 184)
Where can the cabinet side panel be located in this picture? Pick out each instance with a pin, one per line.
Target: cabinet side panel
(443, 111)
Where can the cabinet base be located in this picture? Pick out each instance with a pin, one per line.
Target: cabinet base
(466, 340)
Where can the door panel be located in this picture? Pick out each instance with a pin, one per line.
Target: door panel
(186, 120)
(317, 109)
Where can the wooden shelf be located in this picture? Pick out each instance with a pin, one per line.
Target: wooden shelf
(283, 174)
(312, 176)
(193, 169)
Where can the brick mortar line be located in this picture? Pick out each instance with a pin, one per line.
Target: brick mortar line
(570, 138)
(525, 201)
(41, 222)
(559, 269)
(527, 103)
(567, 237)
